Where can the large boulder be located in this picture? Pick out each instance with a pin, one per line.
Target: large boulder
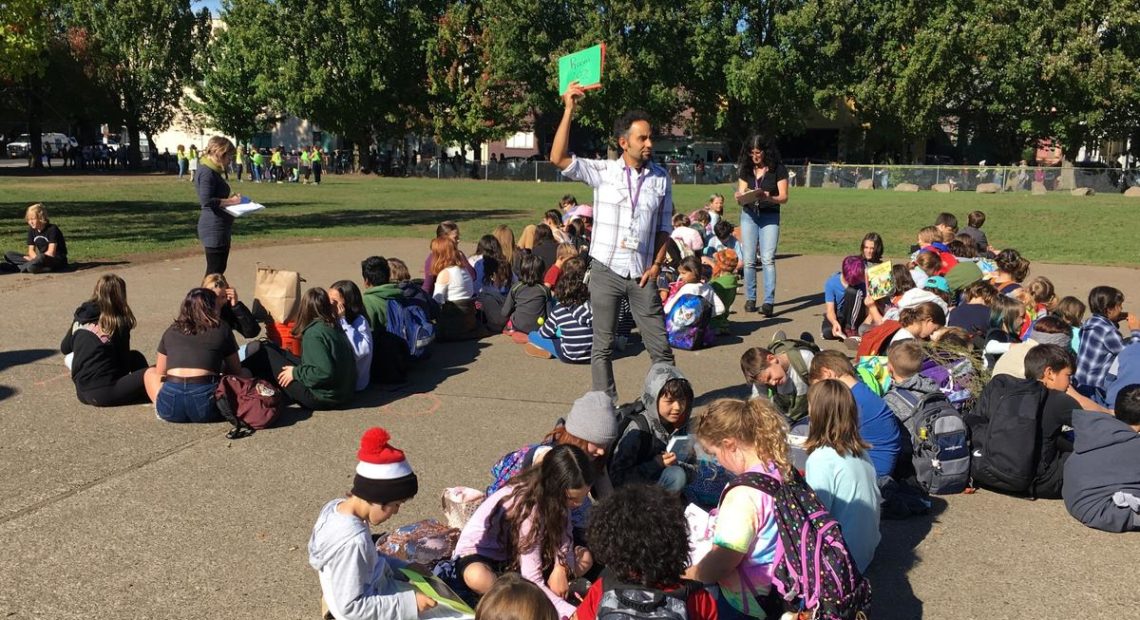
(1133, 192)
(988, 188)
(1039, 188)
(865, 184)
(1083, 191)
(906, 187)
(942, 188)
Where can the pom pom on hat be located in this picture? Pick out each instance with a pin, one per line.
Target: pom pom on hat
(383, 474)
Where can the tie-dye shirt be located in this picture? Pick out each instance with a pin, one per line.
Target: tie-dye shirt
(746, 523)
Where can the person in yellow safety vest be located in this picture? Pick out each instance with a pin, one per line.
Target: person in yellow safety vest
(305, 164)
(276, 173)
(239, 162)
(258, 167)
(317, 162)
(180, 154)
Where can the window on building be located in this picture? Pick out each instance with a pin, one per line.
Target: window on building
(521, 140)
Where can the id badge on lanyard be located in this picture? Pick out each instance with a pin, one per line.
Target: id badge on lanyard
(631, 241)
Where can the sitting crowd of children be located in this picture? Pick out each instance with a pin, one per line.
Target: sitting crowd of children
(966, 373)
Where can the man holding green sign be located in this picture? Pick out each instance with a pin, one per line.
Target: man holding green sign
(633, 212)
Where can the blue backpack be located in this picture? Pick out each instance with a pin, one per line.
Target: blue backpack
(510, 465)
(688, 323)
(411, 324)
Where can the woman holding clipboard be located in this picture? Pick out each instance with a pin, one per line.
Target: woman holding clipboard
(762, 187)
(215, 224)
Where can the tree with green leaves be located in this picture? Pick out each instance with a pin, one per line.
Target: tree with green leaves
(354, 67)
(470, 101)
(143, 50)
(236, 89)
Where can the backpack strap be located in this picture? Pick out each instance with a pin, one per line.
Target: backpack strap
(788, 346)
(224, 401)
(761, 482)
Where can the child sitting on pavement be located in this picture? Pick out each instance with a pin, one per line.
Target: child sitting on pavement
(515, 598)
(1102, 477)
(568, 331)
(526, 303)
(641, 454)
(356, 581)
(689, 283)
(1101, 340)
(525, 527)
(877, 425)
(779, 376)
(620, 531)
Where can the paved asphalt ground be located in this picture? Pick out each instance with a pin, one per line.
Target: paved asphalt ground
(111, 513)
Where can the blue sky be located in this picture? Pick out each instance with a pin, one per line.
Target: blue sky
(215, 6)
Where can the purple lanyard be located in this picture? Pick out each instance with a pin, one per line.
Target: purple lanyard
(634, 197)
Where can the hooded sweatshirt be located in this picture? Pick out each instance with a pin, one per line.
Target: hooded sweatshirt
(1102, 476)
(1125, 372)
(356, 581)
(635, 456)
(99, 360)
(912, 389)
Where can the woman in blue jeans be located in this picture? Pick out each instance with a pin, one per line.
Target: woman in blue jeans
(762, 172)
(192, 354)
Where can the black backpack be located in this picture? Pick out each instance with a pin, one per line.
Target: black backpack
(621, 601)
(1006, 431)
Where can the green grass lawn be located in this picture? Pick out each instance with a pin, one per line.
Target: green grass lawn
(110, 217)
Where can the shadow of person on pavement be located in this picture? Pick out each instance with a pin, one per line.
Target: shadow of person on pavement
(892, 594)
(8, 359)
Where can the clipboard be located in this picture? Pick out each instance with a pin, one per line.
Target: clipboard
(749, 197)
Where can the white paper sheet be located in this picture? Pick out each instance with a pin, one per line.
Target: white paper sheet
(244, 208)
(700, 532)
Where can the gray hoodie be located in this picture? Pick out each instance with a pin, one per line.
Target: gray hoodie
(635, 455)
(356, 581)
(1102, 476)
(903, 395)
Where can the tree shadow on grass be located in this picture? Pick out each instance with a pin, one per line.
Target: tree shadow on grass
(165, 222)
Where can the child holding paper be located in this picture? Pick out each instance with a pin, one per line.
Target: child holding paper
(646, 453)
(356, 581)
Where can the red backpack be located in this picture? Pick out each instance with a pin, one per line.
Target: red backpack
(875, 341)
(248, 404)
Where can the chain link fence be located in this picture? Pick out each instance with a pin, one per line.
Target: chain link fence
(950, 178)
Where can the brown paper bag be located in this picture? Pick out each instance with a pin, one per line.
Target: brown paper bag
(278, 292)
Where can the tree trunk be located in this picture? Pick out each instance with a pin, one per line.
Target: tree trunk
(35, 131)
(134, 157)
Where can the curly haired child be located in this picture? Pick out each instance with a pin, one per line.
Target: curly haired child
(568, 331)
(641, 535)
(744, 437)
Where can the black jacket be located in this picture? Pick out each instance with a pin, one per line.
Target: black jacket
(96, 363)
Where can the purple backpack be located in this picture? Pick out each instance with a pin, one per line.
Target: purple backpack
(812, 567)
(510, 465)
(688, 325)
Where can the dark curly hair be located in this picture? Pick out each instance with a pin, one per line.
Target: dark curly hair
(641, 535)
(571, 290)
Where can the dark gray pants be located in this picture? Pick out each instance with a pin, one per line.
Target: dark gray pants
(607, 289)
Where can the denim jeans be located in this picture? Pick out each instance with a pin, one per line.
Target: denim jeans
(759, 228)
(187, 402)
(673, 479)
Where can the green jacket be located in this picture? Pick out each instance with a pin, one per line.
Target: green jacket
(328, 366)
(376, 303)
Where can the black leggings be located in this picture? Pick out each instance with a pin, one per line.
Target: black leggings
(266, 360)
(126, 390)
(217, 259)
